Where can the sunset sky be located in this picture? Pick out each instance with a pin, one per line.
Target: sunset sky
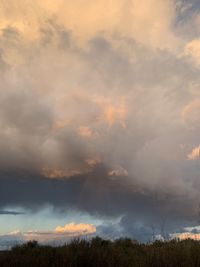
(99, 119)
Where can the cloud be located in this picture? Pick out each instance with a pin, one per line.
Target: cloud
(86, 132)
(93, 112)
(148, 23)
(76, 228)
(115, 114)
(60, 235)
(58, 173)
(186, 235)
(193, 49)
(11, 239)
(195, 154)
(118, 171)
(9, 212)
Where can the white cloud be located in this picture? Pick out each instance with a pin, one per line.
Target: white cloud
(118, 171)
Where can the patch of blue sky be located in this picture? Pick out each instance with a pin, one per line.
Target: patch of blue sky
(45, 220)
(184, 22)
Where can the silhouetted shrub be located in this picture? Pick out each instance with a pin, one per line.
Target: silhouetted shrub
(98, 252)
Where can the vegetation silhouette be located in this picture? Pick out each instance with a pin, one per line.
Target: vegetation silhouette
(98, 252)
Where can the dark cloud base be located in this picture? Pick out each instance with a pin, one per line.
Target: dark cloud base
(98, 194)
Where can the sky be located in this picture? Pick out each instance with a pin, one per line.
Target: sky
(99, 119)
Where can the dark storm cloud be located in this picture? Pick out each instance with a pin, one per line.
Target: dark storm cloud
(101, 196)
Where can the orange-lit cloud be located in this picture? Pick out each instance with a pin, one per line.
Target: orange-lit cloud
(193, 49)
(194, 154)
(86, 132)
(60, 173)
(92, 162)
(191, 109)
(113, 112)
(72, 228)
(147, 22)
(188, 235)
(59, 124)
(56, 173)
(60, 234)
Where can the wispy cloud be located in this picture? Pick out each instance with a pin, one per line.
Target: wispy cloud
(10, 212)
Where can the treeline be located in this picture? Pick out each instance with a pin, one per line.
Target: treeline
(105, 253)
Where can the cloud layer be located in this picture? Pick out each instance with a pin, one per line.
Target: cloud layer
(101, 114)
(59, 236)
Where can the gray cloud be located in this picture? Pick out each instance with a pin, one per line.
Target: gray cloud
(77, 112)
(100, 196)
(10, 212)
